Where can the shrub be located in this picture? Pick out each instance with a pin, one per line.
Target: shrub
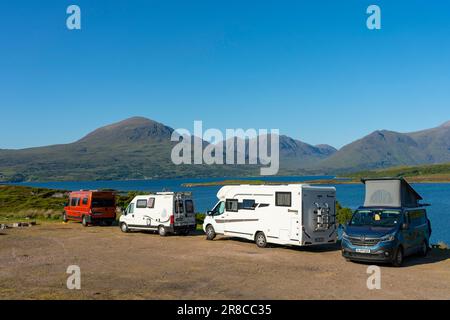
(343, 215)
(199, 218)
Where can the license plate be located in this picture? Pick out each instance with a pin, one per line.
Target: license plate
(319, 239)
(363, 250)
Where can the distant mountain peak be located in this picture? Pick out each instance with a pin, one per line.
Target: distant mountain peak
(134, 129)
(446, 124)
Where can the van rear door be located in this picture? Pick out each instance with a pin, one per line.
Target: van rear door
(103, 203)
(318, 215)
(184, 214)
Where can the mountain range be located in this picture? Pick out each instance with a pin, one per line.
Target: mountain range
(140, 148)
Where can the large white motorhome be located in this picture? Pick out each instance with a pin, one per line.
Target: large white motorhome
(165, 212)
(295, 214)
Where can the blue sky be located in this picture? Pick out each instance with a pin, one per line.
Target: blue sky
(309, 68)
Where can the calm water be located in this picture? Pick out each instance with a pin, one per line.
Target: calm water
(438, 195)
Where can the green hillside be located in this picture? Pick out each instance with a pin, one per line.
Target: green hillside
(424, 173)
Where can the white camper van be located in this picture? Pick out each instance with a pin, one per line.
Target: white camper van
(165, 212)
(281, 214)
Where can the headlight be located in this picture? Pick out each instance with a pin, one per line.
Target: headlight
(388, 237)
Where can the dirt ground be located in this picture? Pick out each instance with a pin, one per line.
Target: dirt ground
(115, 265)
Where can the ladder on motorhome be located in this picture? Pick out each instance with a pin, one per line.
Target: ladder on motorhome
(323, 217)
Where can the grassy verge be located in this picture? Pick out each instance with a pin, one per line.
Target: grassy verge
(18, 203)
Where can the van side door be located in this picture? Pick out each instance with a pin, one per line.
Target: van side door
(409, 235)
(419, 223)
(140, 215)
(230, 216)
(130, 214)
(218, 215)
(74, 207)
(85, 205)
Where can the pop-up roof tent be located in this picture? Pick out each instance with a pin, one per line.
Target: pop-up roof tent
(390, 192)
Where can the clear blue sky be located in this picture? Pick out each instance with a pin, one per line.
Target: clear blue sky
(309, 68)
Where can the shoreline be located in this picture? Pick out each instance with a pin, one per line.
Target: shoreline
(320, 181)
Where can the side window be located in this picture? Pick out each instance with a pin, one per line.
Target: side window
(141, 204)
(283, 199)
(416, 218)
(232, 205)
(248, 204)
(130, 208)
(189, 204)
(423, 217)
(75, 202)
(85, 201)
(151, 203)
(179, 208)
(219, 209)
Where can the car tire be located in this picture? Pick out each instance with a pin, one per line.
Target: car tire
(84, 221)
(124, 227)
(64, 217)
(423, 249)
(398, 257)
(162, 231)
(260, 240)
(210, 232)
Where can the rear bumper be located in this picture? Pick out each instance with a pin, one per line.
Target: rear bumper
(182, 228)
(94, 218)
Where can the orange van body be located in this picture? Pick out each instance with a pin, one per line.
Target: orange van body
(90, 207)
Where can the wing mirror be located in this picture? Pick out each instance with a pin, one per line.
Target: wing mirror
(209, 213)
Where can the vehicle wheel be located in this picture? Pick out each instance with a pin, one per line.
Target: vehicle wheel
(84, 221)
(398, 258)
(424, 249)
(210, 232)
(260, 240)
(124, 227)
(64, 217)
(162, 231)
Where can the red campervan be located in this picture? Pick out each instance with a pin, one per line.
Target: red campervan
(90, 207)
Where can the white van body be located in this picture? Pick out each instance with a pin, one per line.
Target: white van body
(295, 214)
(165, 212)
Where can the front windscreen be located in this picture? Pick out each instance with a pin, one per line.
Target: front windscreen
(377, 218)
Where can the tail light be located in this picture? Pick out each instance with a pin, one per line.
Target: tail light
(172, 219)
